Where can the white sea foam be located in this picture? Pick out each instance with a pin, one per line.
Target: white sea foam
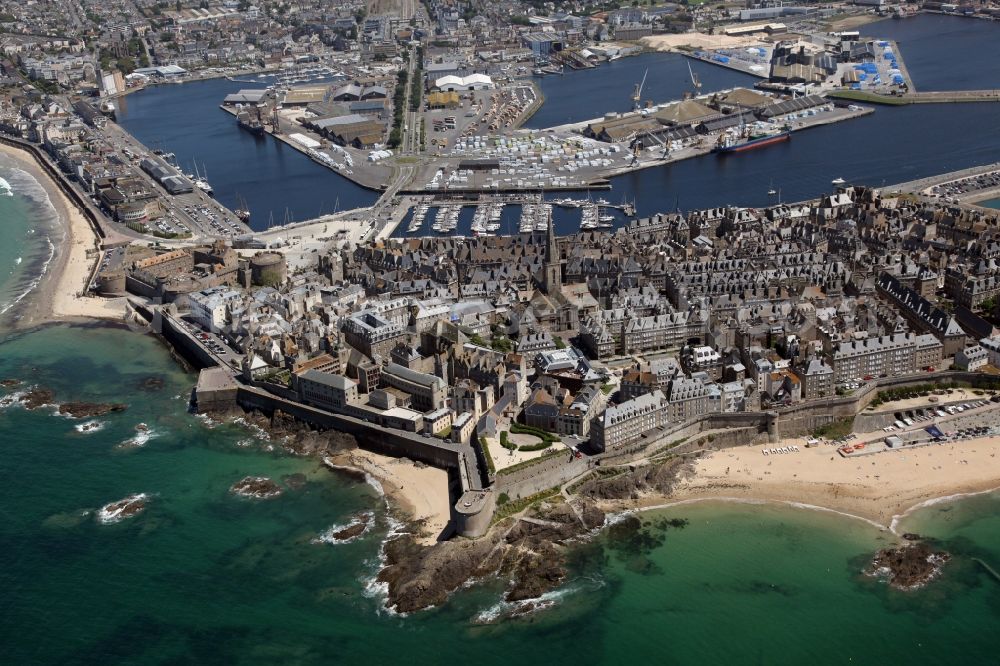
(31, 189)
(114, 512)
(376, 484)
(11, 399)
(89, 426)
(257, 431)
(34, 282)
(17, 262)
(503, 609)
(898, 518)
(139, 440)
(744, 500)
(206, 420)
(372, 587)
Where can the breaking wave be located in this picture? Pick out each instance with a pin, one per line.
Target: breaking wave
(44, 212)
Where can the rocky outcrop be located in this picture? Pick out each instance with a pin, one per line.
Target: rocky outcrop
(37, 397)
(909, 566)
(616, 484)
(10, 383)
(530, 554)
(298, 439)
(83, 410)
(258, 487)
(423, 576)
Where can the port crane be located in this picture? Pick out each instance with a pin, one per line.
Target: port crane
(637, 95)
(695, 81)
(637, 146)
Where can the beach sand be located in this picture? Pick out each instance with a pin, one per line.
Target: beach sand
(876, 488)
(421, 492)
(58, 296)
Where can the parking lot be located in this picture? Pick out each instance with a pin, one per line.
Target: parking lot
(930, 425)
(965, 186)
(215, 344)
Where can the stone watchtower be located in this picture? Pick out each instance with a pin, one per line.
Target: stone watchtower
(553, 262)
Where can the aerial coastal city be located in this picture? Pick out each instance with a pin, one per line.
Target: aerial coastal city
(543, 274)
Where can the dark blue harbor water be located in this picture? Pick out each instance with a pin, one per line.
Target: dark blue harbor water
(945, 52)
(187, 121)
(582, 94)
(895, 144)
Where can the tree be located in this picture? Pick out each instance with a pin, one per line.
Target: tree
(177, 5)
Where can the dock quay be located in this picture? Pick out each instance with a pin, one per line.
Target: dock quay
(735, 64)
(928, 97)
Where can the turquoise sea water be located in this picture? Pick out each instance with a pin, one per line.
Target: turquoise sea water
(204, 577)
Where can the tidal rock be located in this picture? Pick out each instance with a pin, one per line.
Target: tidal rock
(37, 397)
(152, 383)
(83, 410)
(258, 487)
(909, 566)
(115, 512)
(352, 530)
(10, 383)
(294, 481)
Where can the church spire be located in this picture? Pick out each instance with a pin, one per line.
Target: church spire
(553, 264)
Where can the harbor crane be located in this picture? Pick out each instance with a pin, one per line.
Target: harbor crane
(637, 95)
(695, 81)
(638, 145)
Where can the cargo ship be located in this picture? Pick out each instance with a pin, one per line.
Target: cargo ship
(250, 123)
(729, 144)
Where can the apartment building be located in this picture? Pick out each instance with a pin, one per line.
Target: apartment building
(372, 333)
(623, 424)
(888, 355)
(688, 399)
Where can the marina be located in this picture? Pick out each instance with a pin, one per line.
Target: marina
(861, 151)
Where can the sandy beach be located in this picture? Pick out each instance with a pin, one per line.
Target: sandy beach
(421, 492)
(876, 488)
(58, 296)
